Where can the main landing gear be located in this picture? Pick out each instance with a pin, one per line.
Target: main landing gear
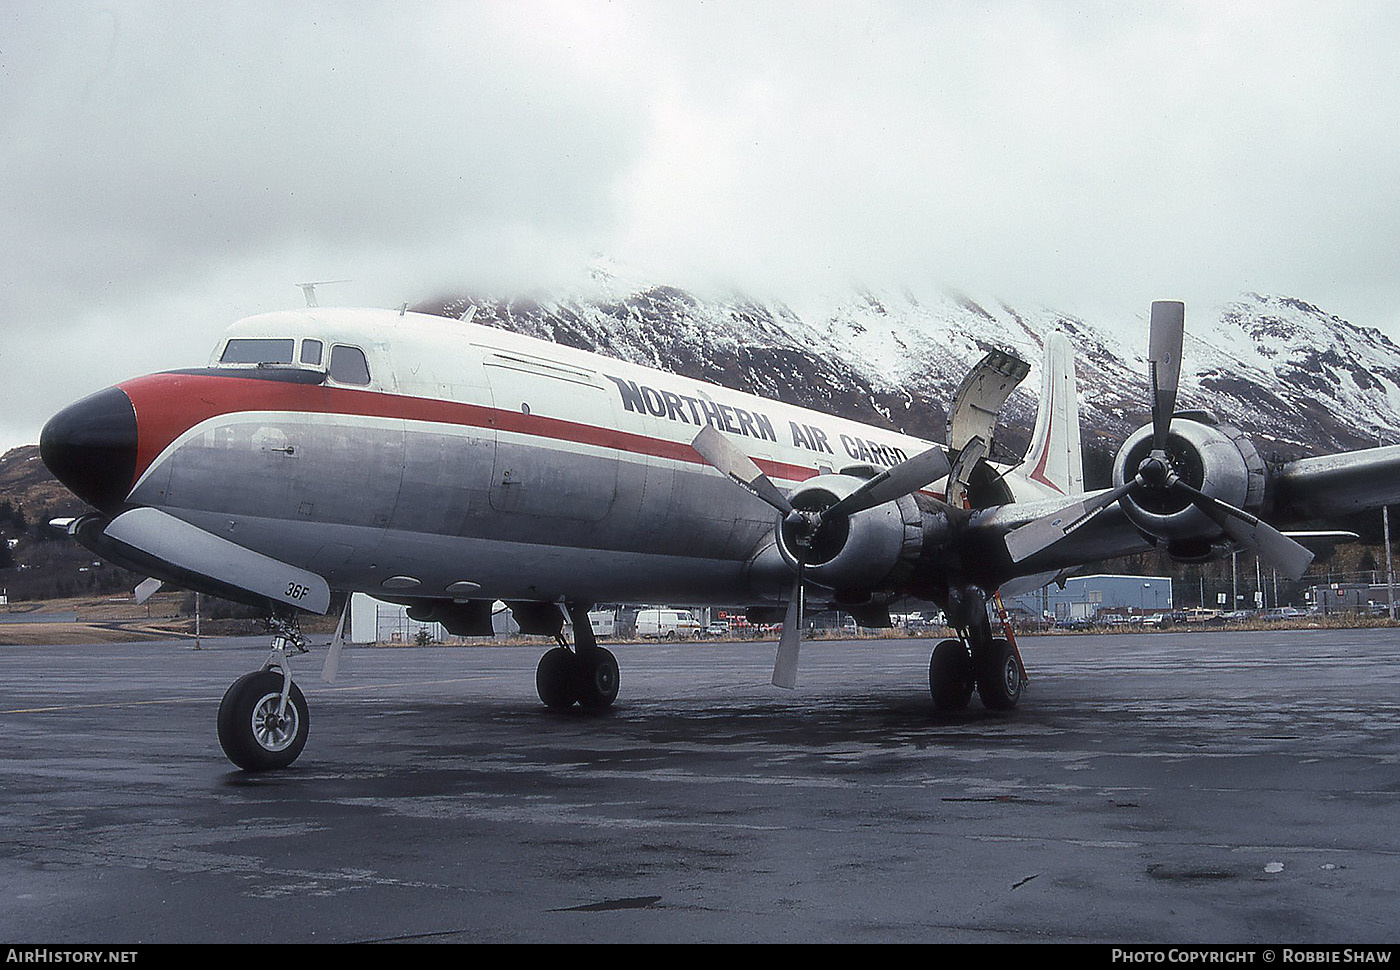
(977, 660)
(587, 675)
(263, 719)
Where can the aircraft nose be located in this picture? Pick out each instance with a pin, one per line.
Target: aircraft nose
(90, 447)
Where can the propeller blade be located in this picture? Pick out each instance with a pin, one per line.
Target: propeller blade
(147, 588)
(724, 455)
(1287, 556)
(903, 479)
(1044, 532)
(785, 666)
(1164, 365)
(331, 669)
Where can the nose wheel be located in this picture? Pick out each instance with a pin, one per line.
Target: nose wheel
(259, 729)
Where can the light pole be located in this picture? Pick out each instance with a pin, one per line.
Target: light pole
(1389, 563)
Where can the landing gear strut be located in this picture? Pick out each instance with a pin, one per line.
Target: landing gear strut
(587, 675)
(263, 719)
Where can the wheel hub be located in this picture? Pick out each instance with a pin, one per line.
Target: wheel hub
(272, 730)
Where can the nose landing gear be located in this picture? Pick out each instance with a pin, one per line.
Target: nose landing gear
(263, 719)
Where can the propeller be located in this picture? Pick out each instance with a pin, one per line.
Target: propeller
(1155, 473)
(806, 525)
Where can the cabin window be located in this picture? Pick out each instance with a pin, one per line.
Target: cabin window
(348, 365)
(311, 352)
(249, 350)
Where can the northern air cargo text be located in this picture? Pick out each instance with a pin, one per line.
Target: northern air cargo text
(687, 409)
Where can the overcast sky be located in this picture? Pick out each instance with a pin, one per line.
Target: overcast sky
(166, 168)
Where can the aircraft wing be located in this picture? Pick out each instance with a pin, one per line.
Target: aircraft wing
(1315, 488)
(1189, 482)
(1106, 535)
(1066, 533)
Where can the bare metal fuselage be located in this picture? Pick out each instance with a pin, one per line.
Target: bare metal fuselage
(482, 463)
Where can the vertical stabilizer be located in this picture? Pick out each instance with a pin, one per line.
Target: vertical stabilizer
(1055, 458)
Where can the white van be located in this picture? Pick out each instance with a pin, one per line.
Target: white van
(667, 624)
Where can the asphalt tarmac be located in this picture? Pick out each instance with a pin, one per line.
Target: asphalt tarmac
(1154, 788)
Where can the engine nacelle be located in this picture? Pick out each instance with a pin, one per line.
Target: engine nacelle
(868, 550)
(1215, 458)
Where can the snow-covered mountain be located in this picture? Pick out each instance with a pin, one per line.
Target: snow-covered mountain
(1298, 379)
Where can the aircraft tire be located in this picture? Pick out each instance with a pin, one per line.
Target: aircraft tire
(597, 679)
(950, 679)
(554, 678)
(999, 680)
(252, 735)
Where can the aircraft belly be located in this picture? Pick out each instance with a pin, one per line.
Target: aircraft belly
(504, 569)
(426, 565)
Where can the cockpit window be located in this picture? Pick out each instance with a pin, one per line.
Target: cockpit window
(311, 352)
(258, 351)
(348, 365)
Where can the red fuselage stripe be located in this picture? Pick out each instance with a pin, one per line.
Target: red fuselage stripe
(168, 405)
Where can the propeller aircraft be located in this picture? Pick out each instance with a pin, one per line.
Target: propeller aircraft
(445, 465)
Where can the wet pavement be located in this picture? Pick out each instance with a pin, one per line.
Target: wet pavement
(1153, 788)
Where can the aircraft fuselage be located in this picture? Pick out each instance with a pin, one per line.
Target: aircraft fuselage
(417, 456)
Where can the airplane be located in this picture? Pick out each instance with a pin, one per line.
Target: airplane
(445, 466)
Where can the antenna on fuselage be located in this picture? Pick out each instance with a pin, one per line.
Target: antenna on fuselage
(309, 290)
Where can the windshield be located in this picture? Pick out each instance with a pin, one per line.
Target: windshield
(258, 351)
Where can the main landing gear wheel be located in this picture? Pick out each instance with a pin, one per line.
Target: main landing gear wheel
(596, 678)
(554, 678)
(950, 678)
(999, 679)
(255, 730)
(589, 678)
